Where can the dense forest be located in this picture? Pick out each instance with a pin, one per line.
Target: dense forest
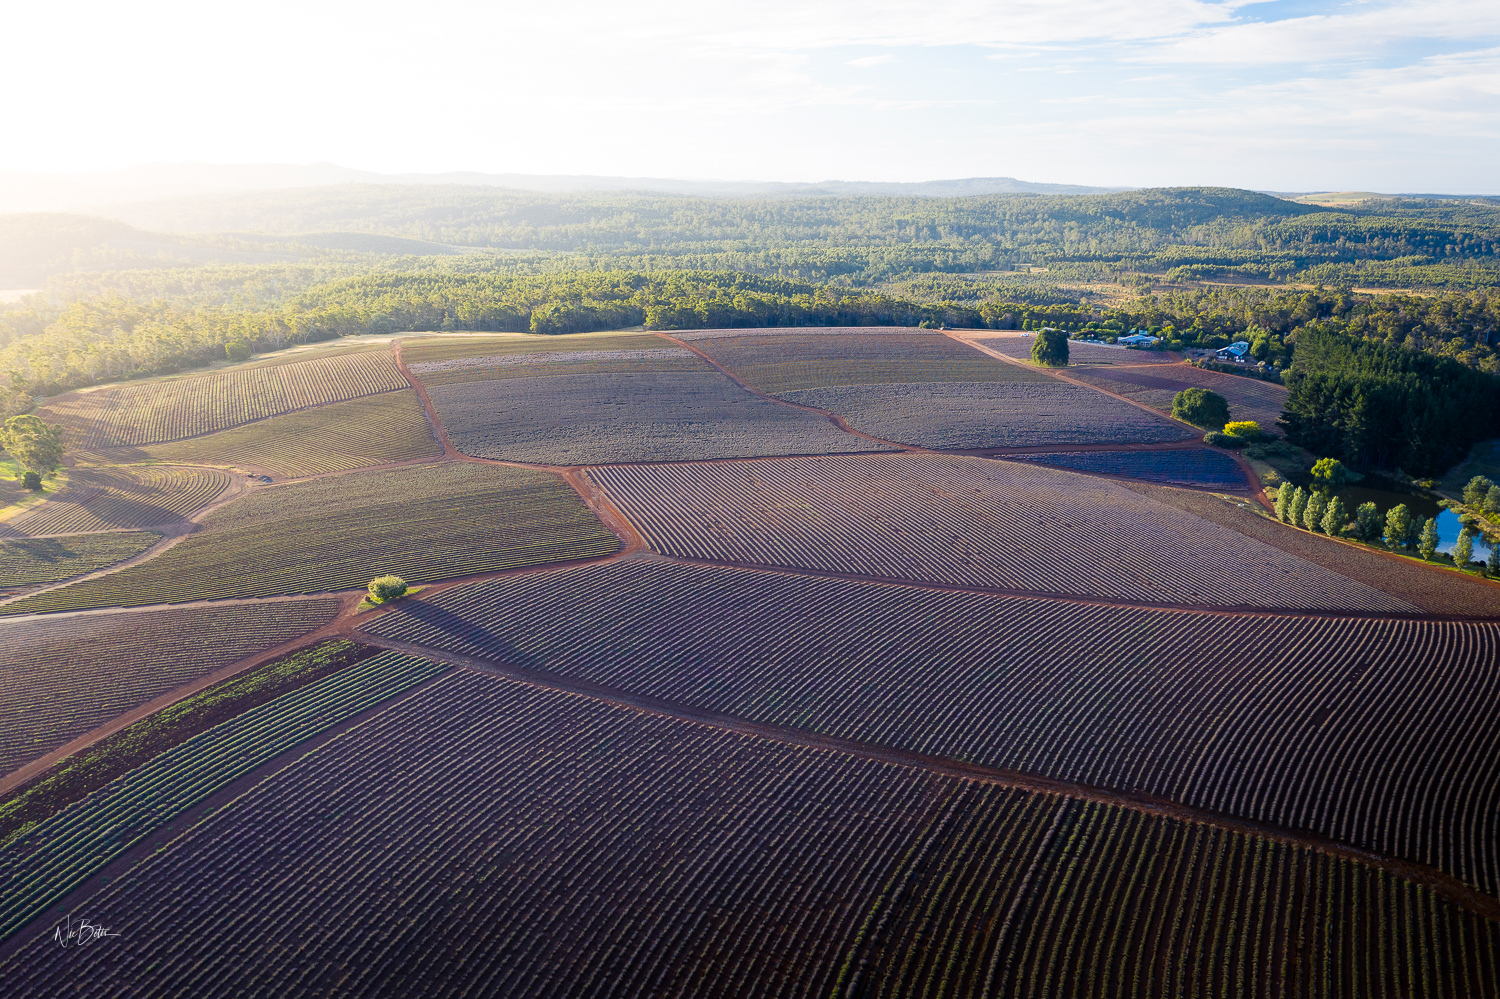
(116, 300)
(1376, 405)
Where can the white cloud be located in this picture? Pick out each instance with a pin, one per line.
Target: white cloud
(868, 61)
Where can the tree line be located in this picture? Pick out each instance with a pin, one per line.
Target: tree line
(1376, 405)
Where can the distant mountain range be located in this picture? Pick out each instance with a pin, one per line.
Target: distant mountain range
(34, 192)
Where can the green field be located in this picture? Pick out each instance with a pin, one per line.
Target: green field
(420, 522)
(375, 430)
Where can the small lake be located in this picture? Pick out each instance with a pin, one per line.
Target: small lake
(1448, 524)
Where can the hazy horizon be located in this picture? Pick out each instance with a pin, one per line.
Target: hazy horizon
(1273, 96)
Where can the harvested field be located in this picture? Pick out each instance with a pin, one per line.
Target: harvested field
(62, 677)
(375, 430)
(1434, 591)
(1197, 466)
(648, 416)
(31, 561)
(684, 861)
(419, 522)
(1019, 347)
(57, 854)
(169, 410)
(1248, 398)
(107, 499)
(789, 361)
(1379, 733)
(971, 415)
(968, 522)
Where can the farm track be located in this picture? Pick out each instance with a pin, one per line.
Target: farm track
(1439, 883)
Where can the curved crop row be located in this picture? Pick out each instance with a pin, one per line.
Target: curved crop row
(61, 677)
(1377, 733)
(490, 837)
(1067, 898)
(376, 430)
(29, 561)
(420, 522)
(1198, 466)
(47, 861)
(104, 499)
(968, 522)
(131, 415)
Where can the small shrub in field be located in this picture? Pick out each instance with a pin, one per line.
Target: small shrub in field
(1224, 440)
(383, 588)
(32, 481)
(1312, 514)
(1248, 429)
(1200, 407)
(1335, 518)
(1367, 523)
(1427, 541)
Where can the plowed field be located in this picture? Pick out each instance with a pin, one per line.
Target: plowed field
(1376, 732)
(61, 677)
(968, 522)
(566, 847)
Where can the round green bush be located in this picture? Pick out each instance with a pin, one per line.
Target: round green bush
(1050, 348)
(32, 481)
(1201, 408)
(383, 588)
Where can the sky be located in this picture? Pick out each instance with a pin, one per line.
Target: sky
(1282, 95)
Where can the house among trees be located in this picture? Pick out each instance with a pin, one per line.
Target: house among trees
(1234, 352)
(1139, 339)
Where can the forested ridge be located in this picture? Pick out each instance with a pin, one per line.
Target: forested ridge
(332, 262)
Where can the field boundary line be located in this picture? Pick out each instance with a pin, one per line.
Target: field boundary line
(194, 816)
(440, 433)
(41, 765)
(1444, 885)
(837, 420)
(1221, 610)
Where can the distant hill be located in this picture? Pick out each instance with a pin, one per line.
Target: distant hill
(37, 245)
(28, 192)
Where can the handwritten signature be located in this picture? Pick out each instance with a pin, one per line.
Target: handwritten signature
(76, 934)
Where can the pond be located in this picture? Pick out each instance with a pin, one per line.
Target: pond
(1448, 524)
